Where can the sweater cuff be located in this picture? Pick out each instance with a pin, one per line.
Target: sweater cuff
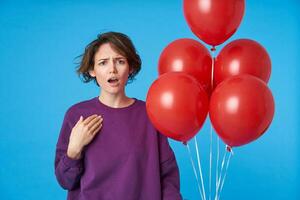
(69, 162)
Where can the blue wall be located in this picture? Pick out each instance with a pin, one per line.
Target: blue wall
(39, 41)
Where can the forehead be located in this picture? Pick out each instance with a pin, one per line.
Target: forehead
(106, 50)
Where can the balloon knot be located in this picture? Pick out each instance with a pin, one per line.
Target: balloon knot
(229, 149)
(184, 143)
(213, 48)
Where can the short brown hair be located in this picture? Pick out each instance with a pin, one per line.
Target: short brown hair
(120, 43)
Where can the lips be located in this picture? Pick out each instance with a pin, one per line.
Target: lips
(113, 80)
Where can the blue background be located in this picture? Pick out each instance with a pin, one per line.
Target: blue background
(39, 41)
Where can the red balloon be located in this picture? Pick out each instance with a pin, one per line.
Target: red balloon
(190, 56)
(214, 21)
(241, 109)
(242, 56)
(177, 105)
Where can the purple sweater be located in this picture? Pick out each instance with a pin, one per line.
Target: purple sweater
(127, 160)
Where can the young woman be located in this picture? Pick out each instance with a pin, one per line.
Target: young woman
(107, 148)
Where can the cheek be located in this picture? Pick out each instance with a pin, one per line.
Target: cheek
(101, 79)
(125, 74)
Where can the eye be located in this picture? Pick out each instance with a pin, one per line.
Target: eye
(122, 61)
(102, 63)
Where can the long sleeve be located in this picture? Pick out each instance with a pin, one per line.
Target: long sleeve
(169, 174)
(67, 170)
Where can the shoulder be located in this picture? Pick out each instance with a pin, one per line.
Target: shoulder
(80, 106)
(142, 114)
(140, 106)
(140, 102)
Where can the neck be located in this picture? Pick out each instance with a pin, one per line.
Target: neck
(115, 100)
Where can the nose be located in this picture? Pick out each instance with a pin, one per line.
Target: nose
(112, 67)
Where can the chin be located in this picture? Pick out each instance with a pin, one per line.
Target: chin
(114, 90)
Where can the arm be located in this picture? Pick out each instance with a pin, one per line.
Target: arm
(68, 171)
(71, 142)
(169, 173)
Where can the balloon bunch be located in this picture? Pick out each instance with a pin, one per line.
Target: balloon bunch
(231, 87)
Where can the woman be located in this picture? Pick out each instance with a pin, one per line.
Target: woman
(107, 148)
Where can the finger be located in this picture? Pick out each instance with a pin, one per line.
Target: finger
(79, 121)
(93, 121)
(87, 120)
(95, 126)
(96, 130)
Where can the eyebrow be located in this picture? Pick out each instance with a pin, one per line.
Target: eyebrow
(116, 58)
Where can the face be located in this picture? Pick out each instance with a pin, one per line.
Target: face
(111, 70)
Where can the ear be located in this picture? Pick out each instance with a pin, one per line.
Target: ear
(92, 73)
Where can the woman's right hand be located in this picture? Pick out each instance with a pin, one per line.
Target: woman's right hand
(82, 134)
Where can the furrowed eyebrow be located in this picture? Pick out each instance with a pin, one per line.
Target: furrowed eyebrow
(101, 59)
(119, 58)
(116, 58)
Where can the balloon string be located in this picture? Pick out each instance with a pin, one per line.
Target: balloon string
(217, 162)
(212, 71)
(218, 141)
(227, 165)
(199, 166)
(194, 169)
(221, 180)
(210, 161)
(220, 176)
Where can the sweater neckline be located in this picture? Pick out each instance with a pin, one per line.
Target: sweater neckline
(102, 105)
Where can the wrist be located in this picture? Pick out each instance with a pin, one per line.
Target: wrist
(74, 153)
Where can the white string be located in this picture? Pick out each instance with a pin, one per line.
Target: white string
(194, 169)
(217, 165)
(210, 161)
(211, 140)
(227, 165)
(199, 166)
(220, 176)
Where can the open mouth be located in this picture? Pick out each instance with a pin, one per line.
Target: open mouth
(113, 80)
